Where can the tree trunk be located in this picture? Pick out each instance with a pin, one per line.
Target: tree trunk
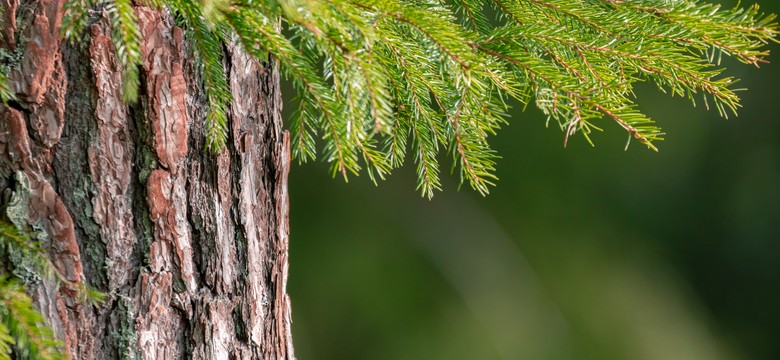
(190, 247)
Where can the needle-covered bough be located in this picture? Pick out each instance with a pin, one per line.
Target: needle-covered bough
(379, 79)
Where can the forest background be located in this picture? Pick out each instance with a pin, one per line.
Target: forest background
(578, 253)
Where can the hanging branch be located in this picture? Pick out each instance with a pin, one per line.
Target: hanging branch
(378, 79)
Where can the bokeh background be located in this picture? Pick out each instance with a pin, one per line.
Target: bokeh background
(578, 253)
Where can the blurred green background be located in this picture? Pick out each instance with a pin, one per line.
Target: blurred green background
(578, 253)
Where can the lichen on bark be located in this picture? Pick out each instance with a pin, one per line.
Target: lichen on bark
(124, 335)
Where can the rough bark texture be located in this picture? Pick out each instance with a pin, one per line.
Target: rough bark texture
(191, 247)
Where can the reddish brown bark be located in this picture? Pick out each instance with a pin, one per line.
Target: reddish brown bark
(191, 247)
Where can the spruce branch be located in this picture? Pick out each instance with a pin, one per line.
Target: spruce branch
(378, 80)
(74, 21)
(126, 37)
(208, 38)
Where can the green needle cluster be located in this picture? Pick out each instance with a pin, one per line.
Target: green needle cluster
(379, 79)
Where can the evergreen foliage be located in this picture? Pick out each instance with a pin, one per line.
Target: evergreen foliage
(378, 79)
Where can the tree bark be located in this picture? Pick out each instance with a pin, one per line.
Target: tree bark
(190, 247)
